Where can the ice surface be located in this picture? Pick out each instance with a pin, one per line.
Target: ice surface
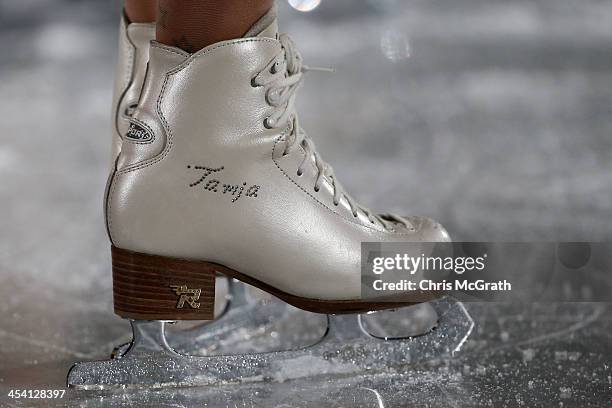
(345, 349)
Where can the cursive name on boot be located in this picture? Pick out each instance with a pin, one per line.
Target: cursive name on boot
(217, 186)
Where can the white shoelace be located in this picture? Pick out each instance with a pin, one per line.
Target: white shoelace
(283, 76)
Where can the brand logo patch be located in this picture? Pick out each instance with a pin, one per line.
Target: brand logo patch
(214, 185)
(138, 133)
(189, 296)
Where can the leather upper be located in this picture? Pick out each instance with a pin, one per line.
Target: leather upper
(134, 39)
(213, 183)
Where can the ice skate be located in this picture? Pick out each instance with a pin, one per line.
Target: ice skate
(134, 39)
(215, 175)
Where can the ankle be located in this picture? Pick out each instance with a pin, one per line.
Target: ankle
(140, 11)
(193, 24)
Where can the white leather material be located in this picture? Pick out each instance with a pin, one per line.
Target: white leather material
(133, 56)
(146, 116)
(205, 112)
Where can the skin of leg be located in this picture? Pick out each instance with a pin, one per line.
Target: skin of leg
(194, 24)
(141, 11)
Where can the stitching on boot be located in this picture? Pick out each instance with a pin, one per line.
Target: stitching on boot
(301, 188)
(166, 126)
(281, 137)
(173, 50)
(160, 114)
(205, 51)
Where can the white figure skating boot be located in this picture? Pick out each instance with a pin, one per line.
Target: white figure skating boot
(216, 175)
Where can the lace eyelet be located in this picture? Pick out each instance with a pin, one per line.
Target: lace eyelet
(269, 99)
(254, 83)
(336, 204)
(355, 215)
(299, 173)
(266, 124)
(317, 189)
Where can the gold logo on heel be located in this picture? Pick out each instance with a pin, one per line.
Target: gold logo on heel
(189, 296)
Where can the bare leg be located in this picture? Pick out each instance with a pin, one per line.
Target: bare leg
(141, 11)
(194, 24)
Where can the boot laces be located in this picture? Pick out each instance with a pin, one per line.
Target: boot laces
(283, 76)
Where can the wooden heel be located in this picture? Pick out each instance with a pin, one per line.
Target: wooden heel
(151, 287)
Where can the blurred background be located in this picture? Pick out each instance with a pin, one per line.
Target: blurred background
(492, 116)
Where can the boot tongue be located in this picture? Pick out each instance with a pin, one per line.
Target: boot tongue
(266, 26)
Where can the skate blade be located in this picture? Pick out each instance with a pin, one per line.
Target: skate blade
(346, 348)
(252, 321)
